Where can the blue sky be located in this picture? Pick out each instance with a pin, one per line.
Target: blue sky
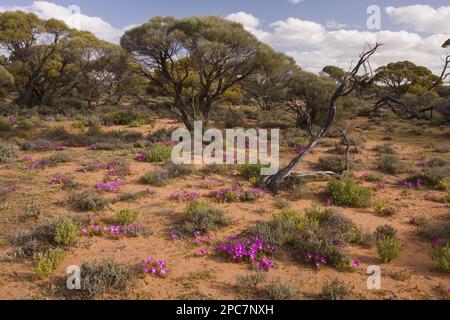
(121, 13)
(314, 32)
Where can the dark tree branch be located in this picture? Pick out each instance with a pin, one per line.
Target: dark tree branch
(347, 84)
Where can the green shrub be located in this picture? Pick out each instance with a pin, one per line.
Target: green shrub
(66, 232)
(98, 278)
(58, 158)
(391, 165)
(48, 262)
(213, 169)
(200, 216)
(37, 145)
(383, 208)
(388, 248)
(335, 290)
(348, 192)
(333, 163)
(87, 201)
(8, 152)
(282, 204)
(162, 134)
(280, 291)
(126, 216)
(158, 153)
(155, 178)
(251, 172)
(435, 176)
(441, 255)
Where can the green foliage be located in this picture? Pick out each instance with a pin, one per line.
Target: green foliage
(251, 172)
(347, 192)
(6, 81)
(335, 290)
(126, 216)
(200, 216)
(66, 232)
(391, 164)
(4, 125)
(48, 262)
(173, 39)
(87, 201)
(383, 208)
(388, 248)
(441, 255)
(158, 153)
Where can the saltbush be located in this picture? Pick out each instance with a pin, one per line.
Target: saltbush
(335, 290)
(88, 200)
(8, 152)
(391, 164)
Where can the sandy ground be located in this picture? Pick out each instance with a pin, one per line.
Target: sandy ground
(185, 279)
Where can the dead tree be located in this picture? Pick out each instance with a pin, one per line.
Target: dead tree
(346, 85)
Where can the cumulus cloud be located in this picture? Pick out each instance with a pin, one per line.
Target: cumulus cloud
(421, 18)
(73, 17)
(314, 45)
(250, 23)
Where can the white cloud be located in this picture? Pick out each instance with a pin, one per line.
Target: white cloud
(295, 1)
(314, 45)
(250, 23)
(421, 18)
(72, 17)
(331, 24)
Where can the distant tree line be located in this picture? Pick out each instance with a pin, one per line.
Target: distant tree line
(197, 63)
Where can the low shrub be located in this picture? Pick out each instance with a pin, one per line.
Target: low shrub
(388, 248)
(435, 176)
(383, 208)
(178, 170)
(213, 169)
(251, 172)
(348, 192)
(8, 152)
(280, 291)
(66, 232)
(155, 178)
(335, 290)
(391, 165)
(38, 145)
(126, 216)
(333, 163)
(48, 262)
(98, 278)
(385, 149)
(200, 216)
(248, 285)
(158, 153)
(88, 200)
(441, 255)
(33, 210)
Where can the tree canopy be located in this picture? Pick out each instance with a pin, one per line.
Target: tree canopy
(195, 61)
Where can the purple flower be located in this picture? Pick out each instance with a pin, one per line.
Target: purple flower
(356, 263)
(203, 251)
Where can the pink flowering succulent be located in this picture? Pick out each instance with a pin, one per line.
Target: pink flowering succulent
(59, 179)
(235, 193)
(113, 186)
(315, 258)
(115, 232)
(184, 196)
(155, 267)
(251, 250)
(417, 183)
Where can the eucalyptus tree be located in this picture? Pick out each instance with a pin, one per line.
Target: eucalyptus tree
(269, 85)
(45, 57)
(194, 61)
